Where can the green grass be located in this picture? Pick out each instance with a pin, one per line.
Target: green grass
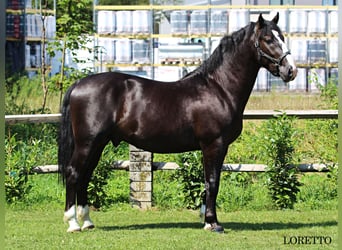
(282, 101)
(317, 192)
(36, 223)
(122, 227)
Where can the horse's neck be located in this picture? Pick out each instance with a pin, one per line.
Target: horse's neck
(238, 74)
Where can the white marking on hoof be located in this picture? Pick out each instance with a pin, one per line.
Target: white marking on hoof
(88, 225)
(213, 228)
(83, 215)
(74, 227)
(70, 217)
(207, 226)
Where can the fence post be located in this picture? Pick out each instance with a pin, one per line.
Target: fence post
(141, 177)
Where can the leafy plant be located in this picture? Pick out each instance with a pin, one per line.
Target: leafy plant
(241, 179)
(18, 164)
(283, 183)
(74, 24)
(191, 178)
(332, 179)
(248, 147)
(319, 190)
(97, 195)
(236, 191)
(329, 93)
(97, 190)
(26, 146)
(166, 192)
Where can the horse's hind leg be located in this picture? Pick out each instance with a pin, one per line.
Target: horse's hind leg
(70, 218)
(71, 176)
(82, 200)
(78, 174)
(84, 179)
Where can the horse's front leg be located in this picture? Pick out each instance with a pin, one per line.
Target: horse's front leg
(213, 156)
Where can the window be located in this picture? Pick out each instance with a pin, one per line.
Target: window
(281, 2)
(328, 2)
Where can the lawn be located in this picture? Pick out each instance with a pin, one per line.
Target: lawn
(123, 227)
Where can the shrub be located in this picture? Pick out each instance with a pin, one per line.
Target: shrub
(235, 191)
(166, 190)
(319, 190)
(332, 180)
(97, 197)
(329, 93)
(18, 164)
(248, 147)
(97, 194)
(318, 142)
(26, 146)
(282, 177)
(243, 191)
(191, 178)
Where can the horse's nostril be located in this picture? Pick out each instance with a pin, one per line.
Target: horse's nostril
(290, 71)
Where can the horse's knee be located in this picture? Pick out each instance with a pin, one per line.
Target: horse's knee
(212, 188)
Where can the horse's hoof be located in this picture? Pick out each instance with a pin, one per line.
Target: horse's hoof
(218, 229)
(73, 226)
(87, 226)
(214, 228)
(74, 229)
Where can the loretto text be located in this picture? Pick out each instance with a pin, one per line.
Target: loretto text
(307, 240)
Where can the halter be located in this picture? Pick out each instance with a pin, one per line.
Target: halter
(277, 62)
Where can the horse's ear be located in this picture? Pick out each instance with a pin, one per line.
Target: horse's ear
(276, 18)
(261, 21)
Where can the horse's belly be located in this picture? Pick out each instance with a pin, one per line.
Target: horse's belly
(165, 144)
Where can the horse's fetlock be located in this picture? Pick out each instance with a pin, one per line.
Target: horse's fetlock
(83, 212)
(70, 217)
(83, 216)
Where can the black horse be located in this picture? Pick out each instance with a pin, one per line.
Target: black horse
(202, 111)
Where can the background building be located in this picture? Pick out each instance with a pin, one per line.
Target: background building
(24, 35)
(133, 40)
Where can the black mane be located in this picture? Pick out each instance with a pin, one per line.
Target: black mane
(228, 44)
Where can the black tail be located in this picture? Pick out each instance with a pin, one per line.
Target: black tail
(65, 137)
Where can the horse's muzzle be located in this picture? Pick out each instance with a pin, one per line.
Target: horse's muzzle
(288, 73)
(292, 73)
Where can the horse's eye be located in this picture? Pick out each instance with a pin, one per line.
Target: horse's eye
(269, 40)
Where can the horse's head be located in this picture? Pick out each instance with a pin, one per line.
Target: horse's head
(271, 50)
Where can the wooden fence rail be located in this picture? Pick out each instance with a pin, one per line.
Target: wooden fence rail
(248, 115)
(141, 166)
(156, 166)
